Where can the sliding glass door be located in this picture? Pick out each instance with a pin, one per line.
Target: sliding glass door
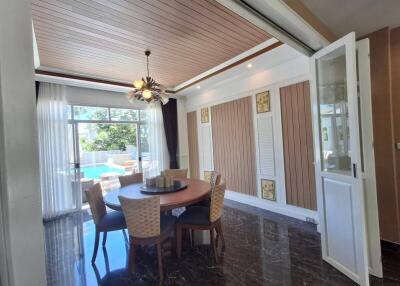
(106, 143)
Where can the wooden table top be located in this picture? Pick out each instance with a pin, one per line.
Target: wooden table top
(196, 191)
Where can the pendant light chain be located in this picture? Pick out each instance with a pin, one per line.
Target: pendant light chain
(148, 73)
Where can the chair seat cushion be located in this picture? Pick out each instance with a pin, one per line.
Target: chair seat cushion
(112, 221)
(199, 215)
(167, 222)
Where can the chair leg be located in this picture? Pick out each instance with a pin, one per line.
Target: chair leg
(131, 258)
(178, 240)
(221, 234)
(160, 266)
(96, 245)
(104, 238)
(125, 236)
(191, 233)
(212, 241)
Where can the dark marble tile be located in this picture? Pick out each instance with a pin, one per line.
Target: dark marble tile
(262, 248)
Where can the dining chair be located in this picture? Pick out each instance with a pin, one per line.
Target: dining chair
(177, 173)
(131, 179)
(214, 178)
(204, 218)
(104, 221)
(146, 226)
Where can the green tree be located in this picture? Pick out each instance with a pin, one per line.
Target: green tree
(110, 137)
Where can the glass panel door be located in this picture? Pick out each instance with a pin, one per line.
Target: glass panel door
(74, 165)
(106, 151)
(340, 191)
(144, 148)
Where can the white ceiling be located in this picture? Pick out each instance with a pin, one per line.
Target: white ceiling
(361, 16)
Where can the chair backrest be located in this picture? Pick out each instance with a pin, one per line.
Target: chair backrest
(217, 201)
(131, 179)
(212, 177)
(177, 173)
(142, 216)
(94, 196)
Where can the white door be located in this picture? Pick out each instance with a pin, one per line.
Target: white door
(338, 159)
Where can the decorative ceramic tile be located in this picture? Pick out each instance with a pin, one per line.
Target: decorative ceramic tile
(263, 102)
(207, 176)
(268, 189)
(205, 118)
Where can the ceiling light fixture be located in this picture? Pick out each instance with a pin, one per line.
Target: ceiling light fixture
(147, 89)
(249, 65)
(198, 87)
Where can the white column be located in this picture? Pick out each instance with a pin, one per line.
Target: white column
(183, 148)
(21, 234)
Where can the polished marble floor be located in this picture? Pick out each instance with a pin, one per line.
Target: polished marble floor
(262, 248)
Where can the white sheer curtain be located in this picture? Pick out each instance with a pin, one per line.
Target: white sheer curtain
(158, 152)
(55, 172)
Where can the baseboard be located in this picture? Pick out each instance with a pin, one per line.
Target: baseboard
(287, 210)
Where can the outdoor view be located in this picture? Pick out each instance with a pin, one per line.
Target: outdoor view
(109, 143)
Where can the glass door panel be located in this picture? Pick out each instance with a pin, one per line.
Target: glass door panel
(144, 148)
(107, 150)
(333, 107)
(74, 167)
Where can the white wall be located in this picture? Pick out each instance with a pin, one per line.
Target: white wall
(91, 96)
(270, 71)
(21, 235)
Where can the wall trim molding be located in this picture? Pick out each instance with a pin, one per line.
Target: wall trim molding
(287, 210)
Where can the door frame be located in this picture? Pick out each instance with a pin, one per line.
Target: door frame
(369, 175)
(358, 203)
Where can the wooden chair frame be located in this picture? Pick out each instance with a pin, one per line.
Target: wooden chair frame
(158, 241)
(217, 226)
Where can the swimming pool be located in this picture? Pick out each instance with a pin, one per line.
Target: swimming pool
(94, 172)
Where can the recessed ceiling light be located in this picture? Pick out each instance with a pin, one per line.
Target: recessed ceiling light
(198, 87)
(249, 65)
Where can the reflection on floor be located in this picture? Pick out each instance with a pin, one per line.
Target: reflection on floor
(262, 248)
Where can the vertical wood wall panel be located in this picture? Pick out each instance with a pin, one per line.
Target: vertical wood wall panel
(234, 146)
(395, 69)
(298, 145)
(193, 145)
(389, 222)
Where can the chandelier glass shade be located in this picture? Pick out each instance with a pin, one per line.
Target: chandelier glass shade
(147, 89)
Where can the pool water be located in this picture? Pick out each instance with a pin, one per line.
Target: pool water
(94, 172)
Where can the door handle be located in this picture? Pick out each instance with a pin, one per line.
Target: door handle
(355, 170)
(77, 165)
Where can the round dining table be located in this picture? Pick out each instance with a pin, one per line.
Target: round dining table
(195, 191)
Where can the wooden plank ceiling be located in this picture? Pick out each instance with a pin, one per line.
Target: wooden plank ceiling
(107, 38)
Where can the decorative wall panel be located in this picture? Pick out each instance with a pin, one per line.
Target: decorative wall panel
(298, 145)
(234, 144)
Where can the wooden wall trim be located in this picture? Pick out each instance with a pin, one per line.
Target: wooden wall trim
(298, 145)
(234, 145)
(194, 164)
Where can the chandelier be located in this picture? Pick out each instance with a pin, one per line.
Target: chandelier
(147, 89)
